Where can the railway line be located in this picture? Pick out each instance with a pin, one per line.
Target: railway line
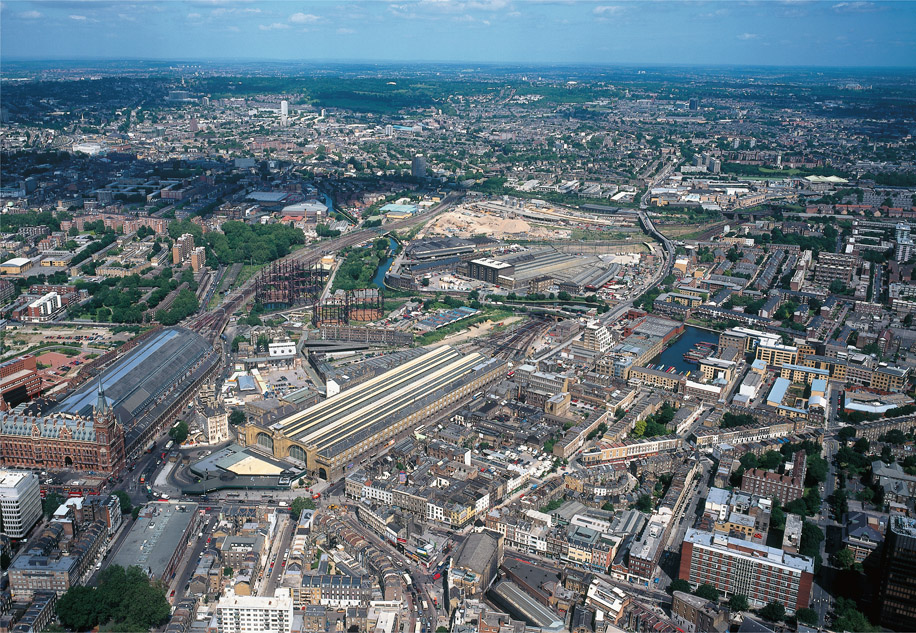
(211, 324)
(515, 344)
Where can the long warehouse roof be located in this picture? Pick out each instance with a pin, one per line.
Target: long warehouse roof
(356, 410)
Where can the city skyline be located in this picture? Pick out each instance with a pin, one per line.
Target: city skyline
(778, 33)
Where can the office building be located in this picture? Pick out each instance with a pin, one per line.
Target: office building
(735, 566)
(489, 270)
(254, 614)
(898, 581)
(694, 614)
(56, 559)
(20, 502)
(284, 112)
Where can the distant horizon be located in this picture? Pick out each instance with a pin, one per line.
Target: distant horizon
(775, 33)
(406, 62)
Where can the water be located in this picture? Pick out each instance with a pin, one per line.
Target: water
(379, 279)
(329, 202)
(674, 355)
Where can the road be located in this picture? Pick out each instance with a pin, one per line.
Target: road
(277, 556)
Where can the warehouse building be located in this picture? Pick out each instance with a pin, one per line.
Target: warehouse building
(330, 437)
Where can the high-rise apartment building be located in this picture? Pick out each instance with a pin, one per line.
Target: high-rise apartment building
(182, 248)
(198, 259)
(418, 166)
(20, 502)
(834, 267)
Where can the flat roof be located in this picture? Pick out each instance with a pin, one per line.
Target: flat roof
(16, 261)
(155, 536)
(749, 550)
(492, 263)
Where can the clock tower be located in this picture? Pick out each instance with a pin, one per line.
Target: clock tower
(109, 434)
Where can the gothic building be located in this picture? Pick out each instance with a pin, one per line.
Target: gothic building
(61, 440)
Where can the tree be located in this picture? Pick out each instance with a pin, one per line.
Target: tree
(179, 432)
(237, 417)
(50, 503)
(300, 504)
(644, 503)
(124, 600)
(844, 559)
(679, 584)
(738, 602)
(861, 446)
(811, 538)
(777, 516)
(807, 616)
(773, 611)
(227, 571)
(608, 506)
(126, 505)
(849, 618)
(847, 433)
(5, 561)
(707, 591)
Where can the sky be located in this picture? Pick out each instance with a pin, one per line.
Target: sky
(692, 32)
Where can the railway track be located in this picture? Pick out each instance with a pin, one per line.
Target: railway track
(211, 324)
(514, 344)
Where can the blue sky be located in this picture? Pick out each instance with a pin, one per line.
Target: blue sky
(764, 32)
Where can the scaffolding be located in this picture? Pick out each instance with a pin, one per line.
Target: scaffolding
(344, 306)
(289, 283)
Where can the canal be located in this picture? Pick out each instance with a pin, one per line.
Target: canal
(674, 355)
(379, 279)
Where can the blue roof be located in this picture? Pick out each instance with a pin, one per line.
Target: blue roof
(246, 383)
(778, 392)
(399, 208)
(818, 384)
(810, 370)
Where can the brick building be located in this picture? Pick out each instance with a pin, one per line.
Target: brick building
(786, 488)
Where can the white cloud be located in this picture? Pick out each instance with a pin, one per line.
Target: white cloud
(194, 16)
(304, 18)
(605, 10)
(856, 7)
(233, 29)
(345, 31)
(78, 18)
(30, 15)
(274, 26)
(748, 36)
